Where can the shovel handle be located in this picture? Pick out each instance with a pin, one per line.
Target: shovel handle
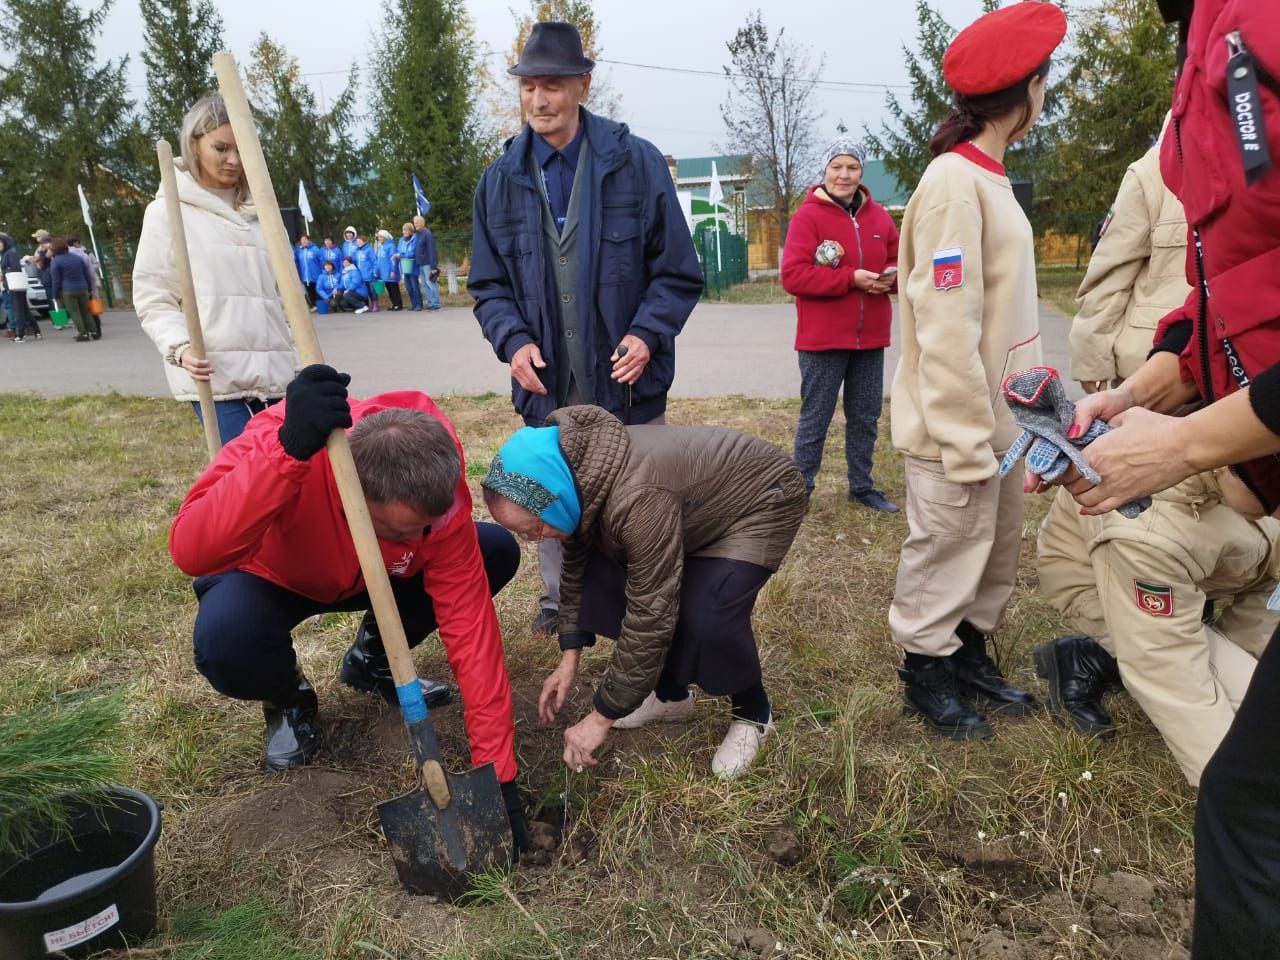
(187, 290)
(280, 253)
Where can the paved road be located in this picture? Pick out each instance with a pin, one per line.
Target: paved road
(725, 349)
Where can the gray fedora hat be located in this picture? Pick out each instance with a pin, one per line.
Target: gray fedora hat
(553, 49)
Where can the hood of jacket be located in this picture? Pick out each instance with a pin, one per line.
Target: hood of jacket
(191, 192)
(594, 443)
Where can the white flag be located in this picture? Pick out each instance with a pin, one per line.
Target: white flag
(715, 195)
(303, 205)
(84, 206)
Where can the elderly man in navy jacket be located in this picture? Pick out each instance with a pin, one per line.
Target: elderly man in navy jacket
(582, 269)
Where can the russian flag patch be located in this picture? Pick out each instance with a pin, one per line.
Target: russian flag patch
(948, 268)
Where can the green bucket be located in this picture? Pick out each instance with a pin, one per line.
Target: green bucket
(58, 318)
(379, 288)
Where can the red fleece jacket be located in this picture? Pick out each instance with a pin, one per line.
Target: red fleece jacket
(832, 313)
(257, 509)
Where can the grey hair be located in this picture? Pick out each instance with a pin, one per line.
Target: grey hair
(406, 456)
(205, 116)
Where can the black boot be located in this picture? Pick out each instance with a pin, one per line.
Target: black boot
(365, 668)
(292, 739)
(1078, 672)
(931, 693)
(980, 679)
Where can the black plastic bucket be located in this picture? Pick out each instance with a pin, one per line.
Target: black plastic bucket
(85, 889)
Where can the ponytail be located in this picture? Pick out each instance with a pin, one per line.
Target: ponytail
(970, 115)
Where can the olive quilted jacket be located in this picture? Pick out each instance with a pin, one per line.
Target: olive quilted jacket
(652, 495)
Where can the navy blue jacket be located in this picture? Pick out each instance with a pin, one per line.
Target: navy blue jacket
(69, 275)
(638, 272)
(424, 254)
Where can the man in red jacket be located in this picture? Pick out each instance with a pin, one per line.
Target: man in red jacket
(264, 533)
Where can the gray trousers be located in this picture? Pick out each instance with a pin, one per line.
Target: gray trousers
(822, 373)
(551, 551)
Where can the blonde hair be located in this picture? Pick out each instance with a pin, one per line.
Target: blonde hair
(206, 115)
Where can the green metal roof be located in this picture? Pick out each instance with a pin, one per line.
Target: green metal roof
(884, 186)
(699, 168)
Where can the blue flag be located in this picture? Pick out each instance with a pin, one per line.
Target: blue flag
(424, 205)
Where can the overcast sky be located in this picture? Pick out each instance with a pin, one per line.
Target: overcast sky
(679, 111)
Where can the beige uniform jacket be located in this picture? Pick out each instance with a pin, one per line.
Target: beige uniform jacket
(962, 333)
(1136, 276)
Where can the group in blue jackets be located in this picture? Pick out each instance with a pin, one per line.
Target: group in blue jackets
(353, 276)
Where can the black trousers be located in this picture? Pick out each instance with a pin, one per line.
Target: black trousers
(243, 642)
(1238, 829)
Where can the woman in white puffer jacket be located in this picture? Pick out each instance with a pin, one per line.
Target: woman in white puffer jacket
(250, 353)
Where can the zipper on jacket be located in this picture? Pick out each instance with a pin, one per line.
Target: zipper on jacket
(862, 300)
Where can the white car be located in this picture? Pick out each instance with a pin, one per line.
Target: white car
(37, 296)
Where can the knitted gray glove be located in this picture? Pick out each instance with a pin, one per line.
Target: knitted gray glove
(1040, 406)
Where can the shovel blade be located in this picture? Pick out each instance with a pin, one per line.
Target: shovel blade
(437, 851)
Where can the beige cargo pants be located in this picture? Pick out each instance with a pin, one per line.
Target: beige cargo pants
(1139, 587)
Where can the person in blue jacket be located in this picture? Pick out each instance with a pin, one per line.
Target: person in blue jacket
(308, 258)
(354, 296)
(332, 253)
(426, 262)
(349, 242)
(366, 261)
(562, 287)
(406, 247)
(389, 268)
(329, 286)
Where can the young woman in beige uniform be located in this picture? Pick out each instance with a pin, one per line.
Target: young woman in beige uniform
(969, 319)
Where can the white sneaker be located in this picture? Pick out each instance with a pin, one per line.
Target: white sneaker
(362, 310)
(654, 710)
(738, 749)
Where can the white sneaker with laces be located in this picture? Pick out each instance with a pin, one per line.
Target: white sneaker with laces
(654, 710)
(738, 749)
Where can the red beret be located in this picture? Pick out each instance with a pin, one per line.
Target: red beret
(1003, 47)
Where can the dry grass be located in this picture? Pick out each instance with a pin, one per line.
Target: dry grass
(910, 846)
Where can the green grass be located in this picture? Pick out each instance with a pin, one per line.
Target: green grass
(658, 858)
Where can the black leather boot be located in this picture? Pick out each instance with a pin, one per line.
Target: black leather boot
(292, 739)
(365, 668)
(931, 693)
(980, 679)
(1078, 672)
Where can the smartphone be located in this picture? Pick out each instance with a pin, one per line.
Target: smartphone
(888, 273)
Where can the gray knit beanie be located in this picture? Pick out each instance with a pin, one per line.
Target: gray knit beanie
(843, 146)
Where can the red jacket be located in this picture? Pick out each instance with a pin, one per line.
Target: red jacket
(831, 313)
(1239, 224)
(257, 509)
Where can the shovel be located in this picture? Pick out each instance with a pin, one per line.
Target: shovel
(452, 826)
(187, 288)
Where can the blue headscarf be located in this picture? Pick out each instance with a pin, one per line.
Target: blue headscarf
(532, 473)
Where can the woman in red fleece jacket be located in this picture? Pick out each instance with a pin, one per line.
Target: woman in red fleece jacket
(836, 261)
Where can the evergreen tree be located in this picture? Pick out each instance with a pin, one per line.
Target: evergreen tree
(903, 144)
(427, 55)
(768, 113)
(303, 142)
(179, 40)
(505, 98)
(65, 120)
(1116, 94)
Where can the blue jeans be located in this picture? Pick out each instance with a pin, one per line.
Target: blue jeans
(431, 289)
(233, 415)
(415, 291)
(243, 643)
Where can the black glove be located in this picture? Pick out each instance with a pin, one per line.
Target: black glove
(434, 274)
(515, 812)
(315, 404)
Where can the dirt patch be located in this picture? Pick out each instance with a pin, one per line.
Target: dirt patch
(300, 814)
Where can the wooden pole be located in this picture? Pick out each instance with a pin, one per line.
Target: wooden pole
(187, 290)
(280, 254)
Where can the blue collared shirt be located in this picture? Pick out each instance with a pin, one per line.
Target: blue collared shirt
(558, 168)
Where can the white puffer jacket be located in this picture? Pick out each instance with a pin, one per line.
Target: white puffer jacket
(245, 333)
